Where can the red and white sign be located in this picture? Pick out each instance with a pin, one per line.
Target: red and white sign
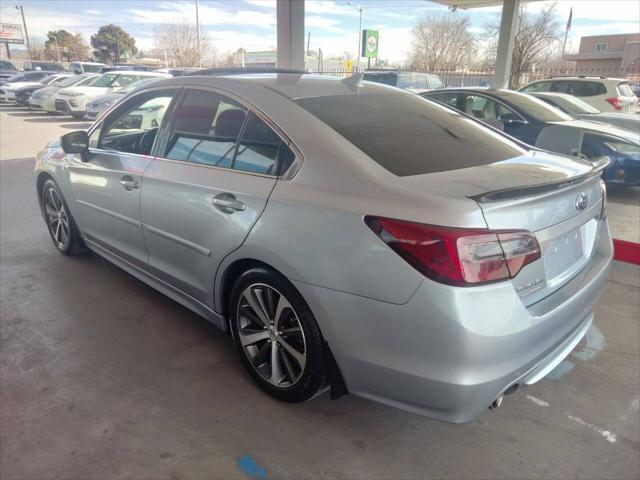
(11, 33)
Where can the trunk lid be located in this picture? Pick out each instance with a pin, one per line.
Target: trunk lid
(559, 199)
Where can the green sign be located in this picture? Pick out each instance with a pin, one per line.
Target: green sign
(370, 43)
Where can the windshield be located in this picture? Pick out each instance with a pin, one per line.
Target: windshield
(4, 65)
(16, 78)
(136, 84)
(573, 105)
(409, 135)
(69, 81)
(534, 107)
(88, 80)
(104, 81)
(48, 79)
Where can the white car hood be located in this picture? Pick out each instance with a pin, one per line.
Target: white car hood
(16, 85)
(88, 91)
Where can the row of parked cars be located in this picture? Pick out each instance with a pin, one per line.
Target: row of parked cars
(587, 117)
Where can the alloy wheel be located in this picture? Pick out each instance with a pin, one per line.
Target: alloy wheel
(57, 218)
(271, 335)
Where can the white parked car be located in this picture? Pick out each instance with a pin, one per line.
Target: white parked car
(602, 93)
(44, 99)
(73, 100)
(8, 90)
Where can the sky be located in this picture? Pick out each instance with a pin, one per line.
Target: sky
(333, 24)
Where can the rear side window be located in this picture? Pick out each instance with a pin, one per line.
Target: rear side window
(408, 135)
(433, 81)
(586, 89)
(206, 129)
(210, 129)
(624, 89)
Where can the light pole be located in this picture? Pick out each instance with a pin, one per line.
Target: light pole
(117, 47)
(26, 34)
(358, 54)
(198, 34)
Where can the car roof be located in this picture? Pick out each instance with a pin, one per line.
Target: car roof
(141, 73)
(289, 85)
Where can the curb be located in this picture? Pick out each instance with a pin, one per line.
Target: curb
(626, 251)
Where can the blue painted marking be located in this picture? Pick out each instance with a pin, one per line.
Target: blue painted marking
(595, 343)
(251, 468)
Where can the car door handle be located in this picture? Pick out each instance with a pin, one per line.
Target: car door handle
(227, 203)
(129, 183)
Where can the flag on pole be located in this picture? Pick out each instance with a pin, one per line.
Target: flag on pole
(570, 18)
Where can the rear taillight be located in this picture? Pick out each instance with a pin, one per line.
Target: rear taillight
(616, 102)
(458, 256)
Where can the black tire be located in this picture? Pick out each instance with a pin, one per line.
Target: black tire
(313, 378)
(71, 243)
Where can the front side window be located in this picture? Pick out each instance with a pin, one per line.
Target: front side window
(133, 127)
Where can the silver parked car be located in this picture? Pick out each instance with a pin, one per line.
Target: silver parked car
(350, 235)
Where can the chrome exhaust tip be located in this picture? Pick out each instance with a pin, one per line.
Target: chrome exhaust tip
(496, 403)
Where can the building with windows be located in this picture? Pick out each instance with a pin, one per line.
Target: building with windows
(608, 52)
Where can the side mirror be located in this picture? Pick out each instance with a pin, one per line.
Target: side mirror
(75, 142)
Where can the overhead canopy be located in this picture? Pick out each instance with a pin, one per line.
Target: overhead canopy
(469, 4)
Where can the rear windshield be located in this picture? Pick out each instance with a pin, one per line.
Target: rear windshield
(624, 89)
(534, 107)
(409, 135)
(390, 78)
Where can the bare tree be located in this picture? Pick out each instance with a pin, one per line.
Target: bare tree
(536, 41)
(442, 42)
(180, 42)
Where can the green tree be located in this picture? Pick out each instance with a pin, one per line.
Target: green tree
(112, 43)
(62, 45)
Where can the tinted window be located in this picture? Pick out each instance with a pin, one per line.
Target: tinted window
(91, 68)
(404, 80)
(258, 148)
(450, 99)
(4, 65)
(104, 80)
(16, 78)
(206, 129)
(408, 135)
(537, 87)
(586, 89)
(133, 127)
(390, 78)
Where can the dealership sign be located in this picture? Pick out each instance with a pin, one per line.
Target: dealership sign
(11, 33)
(370, 43)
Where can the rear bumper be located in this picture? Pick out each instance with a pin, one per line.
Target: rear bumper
(449, 352)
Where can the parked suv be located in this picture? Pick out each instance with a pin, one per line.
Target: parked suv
(416, 82)
(41, 66)
(605, 94)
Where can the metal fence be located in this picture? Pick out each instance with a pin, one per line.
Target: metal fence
(474, 78)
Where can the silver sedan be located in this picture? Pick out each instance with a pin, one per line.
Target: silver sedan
(349, 235)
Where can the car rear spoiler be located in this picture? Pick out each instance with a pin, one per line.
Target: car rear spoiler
(599, 164)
